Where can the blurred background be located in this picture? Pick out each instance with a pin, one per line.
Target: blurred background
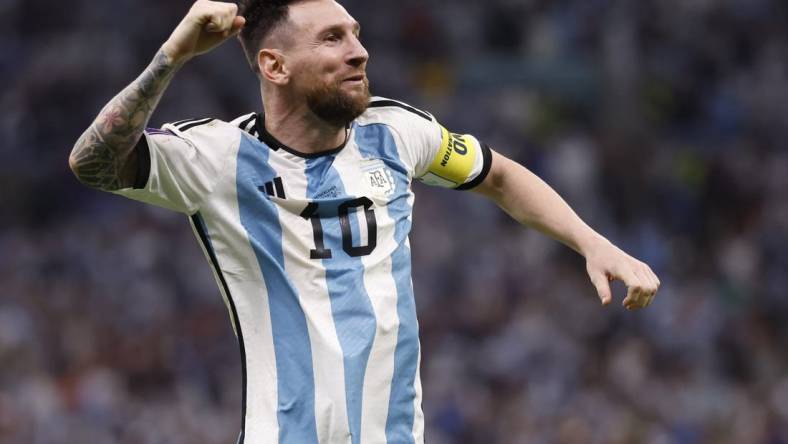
(662, 122)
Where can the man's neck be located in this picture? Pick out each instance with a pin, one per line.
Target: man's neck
(300, 129)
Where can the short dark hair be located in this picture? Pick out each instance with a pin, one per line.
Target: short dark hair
(262, 16)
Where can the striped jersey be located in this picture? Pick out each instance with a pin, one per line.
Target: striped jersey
(312, 257)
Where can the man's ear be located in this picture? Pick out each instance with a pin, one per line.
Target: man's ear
(271, 63)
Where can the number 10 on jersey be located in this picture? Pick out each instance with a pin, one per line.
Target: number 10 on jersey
(311, 212)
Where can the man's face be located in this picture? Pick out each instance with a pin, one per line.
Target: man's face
(327, 61)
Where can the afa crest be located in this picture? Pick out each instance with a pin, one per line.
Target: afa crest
(379, 180)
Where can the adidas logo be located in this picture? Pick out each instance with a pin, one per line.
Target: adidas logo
(274, 188)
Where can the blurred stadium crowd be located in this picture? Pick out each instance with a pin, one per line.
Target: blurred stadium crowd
(662, 122)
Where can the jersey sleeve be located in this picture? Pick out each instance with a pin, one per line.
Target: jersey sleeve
(452, 160)
(176, 169)
(438, 156)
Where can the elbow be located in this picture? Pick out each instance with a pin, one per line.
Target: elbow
(98, 167)
(75, 167)
(95, 163)
(72, 163)
(78, 168)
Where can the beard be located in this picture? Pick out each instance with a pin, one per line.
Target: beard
(336, 106)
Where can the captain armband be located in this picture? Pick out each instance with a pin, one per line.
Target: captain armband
(461, 163)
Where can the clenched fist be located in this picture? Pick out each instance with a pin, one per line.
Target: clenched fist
(206, 25)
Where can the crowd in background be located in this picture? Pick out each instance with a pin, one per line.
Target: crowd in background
(662, 122)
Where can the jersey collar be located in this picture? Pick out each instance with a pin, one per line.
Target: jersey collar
(267, 138)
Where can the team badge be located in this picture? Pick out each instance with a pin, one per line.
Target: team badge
(379, 179)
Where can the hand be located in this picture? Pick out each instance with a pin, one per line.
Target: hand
(605, 262)
(206, 25)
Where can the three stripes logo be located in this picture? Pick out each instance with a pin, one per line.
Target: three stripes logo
(184, 125)
(274, 188)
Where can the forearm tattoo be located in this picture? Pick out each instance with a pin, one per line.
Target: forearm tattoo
(100, 154)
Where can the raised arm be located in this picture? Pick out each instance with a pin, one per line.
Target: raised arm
(104, 156)
(532, 202)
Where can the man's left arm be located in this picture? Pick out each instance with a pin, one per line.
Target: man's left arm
(532, 202)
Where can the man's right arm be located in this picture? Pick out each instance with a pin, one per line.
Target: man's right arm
(104, 156)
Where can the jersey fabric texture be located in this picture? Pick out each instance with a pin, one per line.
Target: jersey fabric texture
(312, 257)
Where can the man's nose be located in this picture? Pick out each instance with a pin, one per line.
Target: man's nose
(358, 54)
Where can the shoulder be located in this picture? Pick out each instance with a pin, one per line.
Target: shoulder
(209, 129)
(416, 133)
(395, 113)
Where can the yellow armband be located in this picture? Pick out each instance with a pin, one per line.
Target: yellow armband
(454, 162)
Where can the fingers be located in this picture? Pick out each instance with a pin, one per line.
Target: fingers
(606, 262)
(206, 25)
(238, 24)
(219, 17)
(219, 22)
(642, 285)
(602, 284)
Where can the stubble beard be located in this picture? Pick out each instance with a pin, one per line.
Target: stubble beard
(335, 106)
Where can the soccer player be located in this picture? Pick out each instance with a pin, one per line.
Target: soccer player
(304, 209)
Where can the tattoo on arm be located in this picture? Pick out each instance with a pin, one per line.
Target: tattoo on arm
(100, 155)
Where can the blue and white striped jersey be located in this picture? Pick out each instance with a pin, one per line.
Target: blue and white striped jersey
(312, 257)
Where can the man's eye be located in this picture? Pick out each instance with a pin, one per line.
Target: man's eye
(332, 38)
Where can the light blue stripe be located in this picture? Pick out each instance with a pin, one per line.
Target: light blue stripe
(377, 141)
(295, 376)
(351, 308)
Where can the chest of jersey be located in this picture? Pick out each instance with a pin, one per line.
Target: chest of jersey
(352, 204)
(329, 253)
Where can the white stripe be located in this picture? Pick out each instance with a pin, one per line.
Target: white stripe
(262, 424)
(382, 290)
(309, 278)
(361, 223)
(418, 413)
(236, 258)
